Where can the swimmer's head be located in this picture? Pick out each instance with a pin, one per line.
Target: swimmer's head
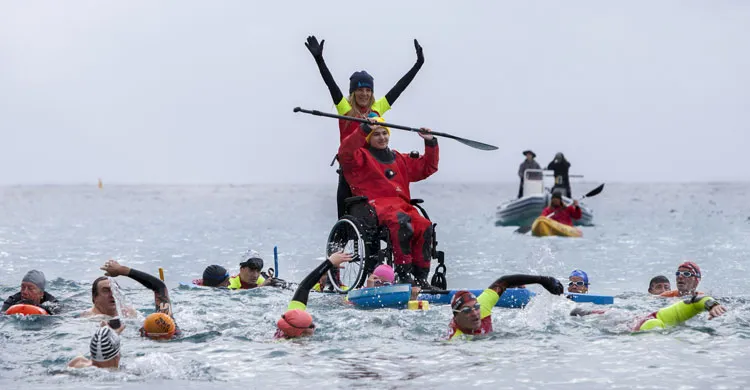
(215, 276)
(467, 312)
(383, 275)
(105, 348)
(688, 276)
(295, 323)
(158, 326)
(102, 297)
(658, 285)
(578, 282)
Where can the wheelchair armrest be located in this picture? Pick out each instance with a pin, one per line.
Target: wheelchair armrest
(415, 202)
(348, 202)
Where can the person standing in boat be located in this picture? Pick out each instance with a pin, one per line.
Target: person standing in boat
(561, 166)
(558, 212)
(529, 163)
(360, 103)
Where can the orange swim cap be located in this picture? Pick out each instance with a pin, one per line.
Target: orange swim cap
(294, 322)
(158, 326)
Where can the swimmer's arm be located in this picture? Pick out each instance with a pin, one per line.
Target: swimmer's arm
(303, 290)
(508, 281)
(79, 362)
(161, 294)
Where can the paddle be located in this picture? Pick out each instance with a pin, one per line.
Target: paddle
(596, 191)
(468, 142)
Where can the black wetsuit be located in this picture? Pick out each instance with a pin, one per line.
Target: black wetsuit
(48, 303)
(562, 180)
(161, 294)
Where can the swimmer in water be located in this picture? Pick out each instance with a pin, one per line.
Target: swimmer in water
(296, 321)
(157, 326)
(214, 276)
(659, 285)
(103, 299)
(688, 276)
(578, 282)
(472, 315)
(32, 293)
(105, 350)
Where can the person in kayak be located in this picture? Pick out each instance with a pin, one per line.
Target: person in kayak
(578, 282)
(658, 285)
(679, 313)
(161, 324)
(383, 176)
(104, 348)
(296, 321)
(213, 276)
(360, 103)
(529, 163)
(562, 214)
(472, 315)
(32, 293)
(561, 166)
(688, 276)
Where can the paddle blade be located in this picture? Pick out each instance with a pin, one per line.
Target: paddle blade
(475, 144)
(595, 191)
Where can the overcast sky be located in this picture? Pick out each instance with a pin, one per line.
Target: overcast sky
(202, 92)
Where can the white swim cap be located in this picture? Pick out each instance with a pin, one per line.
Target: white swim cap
(105, 344)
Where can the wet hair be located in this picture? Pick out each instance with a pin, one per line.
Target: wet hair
(657, 279)
(94, 289)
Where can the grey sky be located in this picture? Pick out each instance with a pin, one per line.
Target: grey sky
(202, 92)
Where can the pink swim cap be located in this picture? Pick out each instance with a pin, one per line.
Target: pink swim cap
(384, 272)
(294, 322)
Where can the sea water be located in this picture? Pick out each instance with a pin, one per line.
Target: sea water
(642, 230)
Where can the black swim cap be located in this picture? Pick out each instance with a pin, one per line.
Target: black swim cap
(214, 275)
(252, 263)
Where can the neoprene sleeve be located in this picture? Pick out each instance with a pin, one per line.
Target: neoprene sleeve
(336, 94)
(149, 281)
(404, 82)
(303, 290)
(519, 280)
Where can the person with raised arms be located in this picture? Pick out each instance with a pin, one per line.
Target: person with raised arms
(296, 321)
(161, 324)
(360, 103)
(32, 293)
(472, 315)
(104, 348)
(383, 176)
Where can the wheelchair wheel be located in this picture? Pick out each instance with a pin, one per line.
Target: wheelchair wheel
(346, 235)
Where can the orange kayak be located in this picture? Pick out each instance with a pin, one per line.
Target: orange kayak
(544, 227)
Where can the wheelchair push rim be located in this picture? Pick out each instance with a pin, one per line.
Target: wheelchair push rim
(346, 235)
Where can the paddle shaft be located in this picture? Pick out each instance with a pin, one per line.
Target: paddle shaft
(468, 142)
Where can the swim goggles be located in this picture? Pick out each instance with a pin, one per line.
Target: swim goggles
(685, 274)
(468, 309)
(379, 283)
(579, 283)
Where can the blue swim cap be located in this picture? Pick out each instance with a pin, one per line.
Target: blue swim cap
(583, 275)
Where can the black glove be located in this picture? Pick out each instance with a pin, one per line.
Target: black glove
(552, 285)
(420, 56)
(276, 282)
(316, 49)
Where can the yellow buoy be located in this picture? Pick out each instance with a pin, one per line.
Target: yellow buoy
(418, 305)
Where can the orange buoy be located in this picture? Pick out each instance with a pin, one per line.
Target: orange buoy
(24, 309)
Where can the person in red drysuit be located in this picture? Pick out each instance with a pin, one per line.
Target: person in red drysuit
(562, 214)
(383, 176)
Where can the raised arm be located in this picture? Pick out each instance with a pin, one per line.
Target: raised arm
(508, 281)
(404, 82)
(161, 294)
(316, 49)
(424, 166)
(303, 290)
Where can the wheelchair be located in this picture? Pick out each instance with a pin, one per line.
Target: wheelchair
(359, 233)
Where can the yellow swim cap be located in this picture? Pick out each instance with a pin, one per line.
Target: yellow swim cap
(378, 119)
(158, 326)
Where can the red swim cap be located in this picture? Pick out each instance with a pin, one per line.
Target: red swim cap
(294, 322)
(462, 297)
(693, 267)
